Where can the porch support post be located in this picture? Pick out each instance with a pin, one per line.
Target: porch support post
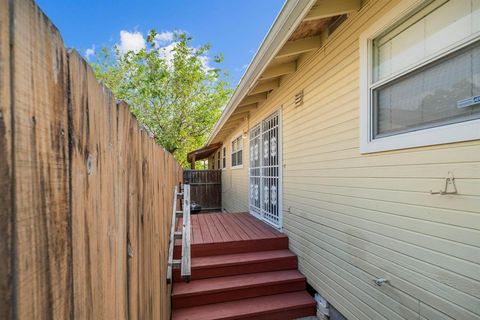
(192, 164)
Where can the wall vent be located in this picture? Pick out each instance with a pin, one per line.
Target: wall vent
(298, 100)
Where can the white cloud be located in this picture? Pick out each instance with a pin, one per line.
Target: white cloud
(164, 42)
(205, 60)
(167, 52)
(90, 52)
(165, 37)
(131, 41)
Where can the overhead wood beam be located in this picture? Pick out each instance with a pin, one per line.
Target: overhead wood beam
(265, 86)
(247, 107)
(239, 115)
(299, 46)
(279, 70)
(330, 8)
(231, 124)
(253, 99)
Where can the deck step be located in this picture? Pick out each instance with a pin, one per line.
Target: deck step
(282, 306)
(241, 263)
(232, 247)
(222, 289)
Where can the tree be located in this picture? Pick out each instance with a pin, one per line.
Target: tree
(171, 90)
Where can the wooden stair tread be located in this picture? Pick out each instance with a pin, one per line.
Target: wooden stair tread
(205, 286)
(252, 308)
(240, 263)
(233, 247)
(240, 258)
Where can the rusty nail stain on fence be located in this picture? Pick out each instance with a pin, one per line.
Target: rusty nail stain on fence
(89, 164)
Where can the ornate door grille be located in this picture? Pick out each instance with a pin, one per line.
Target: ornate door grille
(265, 171)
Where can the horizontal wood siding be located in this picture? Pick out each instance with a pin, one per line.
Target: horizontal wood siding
(354, 217)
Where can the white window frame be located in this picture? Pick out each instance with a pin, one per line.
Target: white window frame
(463, 131)
(240, 138)
(224, 157)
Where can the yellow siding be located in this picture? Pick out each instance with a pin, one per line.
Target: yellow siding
(352, 217)
(235, 181)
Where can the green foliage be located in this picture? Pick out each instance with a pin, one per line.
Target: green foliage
(171, 90)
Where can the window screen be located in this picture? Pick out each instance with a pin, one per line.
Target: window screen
(435, 95)
(237, 151)
(414, 84)
(224, 160)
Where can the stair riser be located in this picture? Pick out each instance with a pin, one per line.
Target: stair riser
(237, 294)
(300, 312)
(289, 263)
(282, 315)
(212, 249)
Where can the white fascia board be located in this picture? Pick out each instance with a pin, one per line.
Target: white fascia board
(290, 16)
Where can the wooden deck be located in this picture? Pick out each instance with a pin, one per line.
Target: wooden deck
(241, 269)
(226, 227)
(225, 233)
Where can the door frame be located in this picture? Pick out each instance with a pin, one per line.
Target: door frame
(279, 113)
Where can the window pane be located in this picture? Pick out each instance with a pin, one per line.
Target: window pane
(239, 157)
(435, 28)
(430, 96)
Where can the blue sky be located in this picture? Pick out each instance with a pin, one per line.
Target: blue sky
(233, 27)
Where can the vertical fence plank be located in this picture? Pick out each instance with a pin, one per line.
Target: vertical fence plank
(99, 243)
(85, 194)
(206, 188)
(6, 170)
(42, 221)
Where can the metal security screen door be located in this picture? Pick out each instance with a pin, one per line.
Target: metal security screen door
(265, 167)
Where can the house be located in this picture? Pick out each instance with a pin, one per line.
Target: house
(355, 131)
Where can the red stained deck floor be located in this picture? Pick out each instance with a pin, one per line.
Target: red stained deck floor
(220, 227)
(224, 233)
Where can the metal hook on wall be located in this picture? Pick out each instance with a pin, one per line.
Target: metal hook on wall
(449, 184)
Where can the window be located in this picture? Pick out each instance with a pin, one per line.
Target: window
(422, 83)
(218, 160)
(213, 162)
(224, 159)
(237, 149)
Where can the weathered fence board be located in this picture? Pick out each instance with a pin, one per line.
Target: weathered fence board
(42, 274)
(206, 188)
(6, 170)
(85, 194)
(98, 228)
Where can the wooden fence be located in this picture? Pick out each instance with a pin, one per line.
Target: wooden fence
(206, 188)
(85, 194)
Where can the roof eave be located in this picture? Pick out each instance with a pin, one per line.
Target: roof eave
(284, 25)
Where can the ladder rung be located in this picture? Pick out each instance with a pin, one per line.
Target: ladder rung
(180, 194)
(176, 263)
(179, 213)
(178, 234)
